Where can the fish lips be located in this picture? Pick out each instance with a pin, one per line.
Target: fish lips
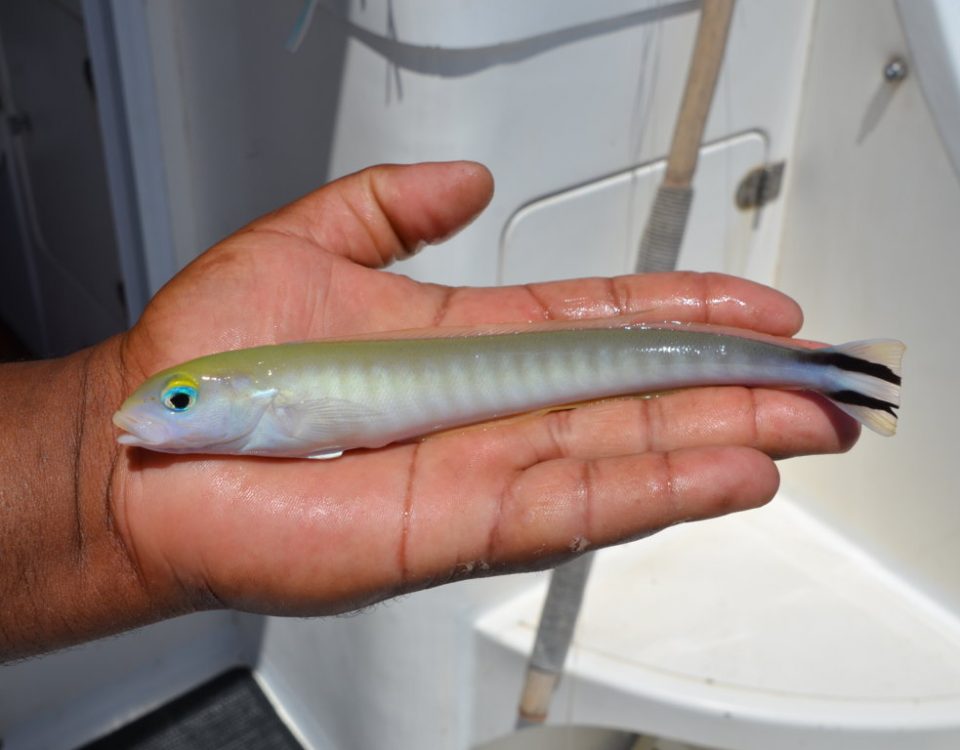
(139, 429)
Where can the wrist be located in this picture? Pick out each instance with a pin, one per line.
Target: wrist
(68, 573)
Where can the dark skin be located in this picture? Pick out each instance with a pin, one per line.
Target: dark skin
(98, 538)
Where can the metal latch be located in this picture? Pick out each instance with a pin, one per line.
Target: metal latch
(760, 186)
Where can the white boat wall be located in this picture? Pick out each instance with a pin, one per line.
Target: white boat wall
(830, 618)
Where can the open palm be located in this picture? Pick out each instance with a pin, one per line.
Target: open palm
(297, 537)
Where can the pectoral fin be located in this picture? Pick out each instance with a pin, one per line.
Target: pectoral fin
(322, 420)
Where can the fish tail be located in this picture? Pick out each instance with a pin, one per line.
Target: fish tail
(867, 386)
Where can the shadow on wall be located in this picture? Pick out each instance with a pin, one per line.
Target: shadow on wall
(60, 288)
(248, 125)
(453, 63)
(236, 109)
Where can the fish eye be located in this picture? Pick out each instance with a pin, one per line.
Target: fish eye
(180, 397)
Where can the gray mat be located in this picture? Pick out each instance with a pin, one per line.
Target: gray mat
(228, 713)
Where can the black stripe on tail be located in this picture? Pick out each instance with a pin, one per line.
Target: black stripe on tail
(865, 378)
(855, 364)
(860, 399)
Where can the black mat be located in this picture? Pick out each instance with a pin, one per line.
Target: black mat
(228, 713)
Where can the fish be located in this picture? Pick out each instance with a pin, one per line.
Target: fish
(319, 399)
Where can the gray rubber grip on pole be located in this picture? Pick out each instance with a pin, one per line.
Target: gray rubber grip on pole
(559, 618)
(663, 236)
(554, 634)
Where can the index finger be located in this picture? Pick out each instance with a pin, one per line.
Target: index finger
(679, 296)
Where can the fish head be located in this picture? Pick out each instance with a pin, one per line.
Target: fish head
(189, 411)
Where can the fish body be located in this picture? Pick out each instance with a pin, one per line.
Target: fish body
(321, 398)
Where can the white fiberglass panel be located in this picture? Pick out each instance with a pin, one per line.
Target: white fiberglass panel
(595, 229)
(932, 28)
(758, 630)
(870, 248)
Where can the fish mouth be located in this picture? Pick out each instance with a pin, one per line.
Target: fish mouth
(138, 430)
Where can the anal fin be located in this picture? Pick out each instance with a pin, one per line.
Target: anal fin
(326, 454)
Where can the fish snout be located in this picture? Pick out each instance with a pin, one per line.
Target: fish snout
(139, 429)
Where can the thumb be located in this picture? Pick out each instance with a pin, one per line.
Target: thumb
(387, 212)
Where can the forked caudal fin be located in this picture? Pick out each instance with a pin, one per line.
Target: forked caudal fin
(870, 381)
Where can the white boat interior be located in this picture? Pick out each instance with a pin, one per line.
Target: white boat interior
(828, 619)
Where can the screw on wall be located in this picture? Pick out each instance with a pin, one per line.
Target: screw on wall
(895, 70)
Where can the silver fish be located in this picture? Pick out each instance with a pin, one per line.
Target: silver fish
(319, 399)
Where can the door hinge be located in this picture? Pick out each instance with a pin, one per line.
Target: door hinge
(760, 186)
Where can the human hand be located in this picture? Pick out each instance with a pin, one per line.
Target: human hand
(318, 537)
